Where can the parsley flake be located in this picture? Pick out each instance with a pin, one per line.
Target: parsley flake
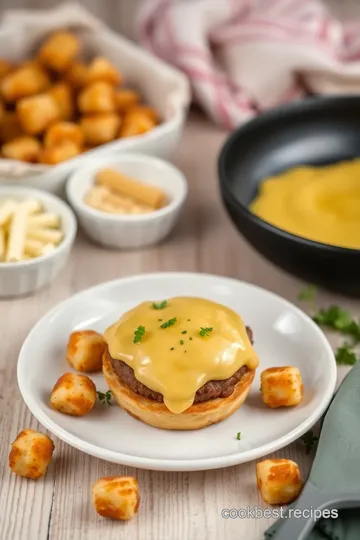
(190, 338)
(309, 439)
(345, 355)
(308, 294)
(238, 436)
(184, 332)
(168, 323)
(172, 348)
(138, 334)
(205, 331)
(160, 305)
(181, 342)
(104, 397)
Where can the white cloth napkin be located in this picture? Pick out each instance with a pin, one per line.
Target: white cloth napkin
(244, 56)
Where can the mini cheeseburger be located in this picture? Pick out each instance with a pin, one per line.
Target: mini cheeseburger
(184, 363)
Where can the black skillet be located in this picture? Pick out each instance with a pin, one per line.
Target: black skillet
(313, 131)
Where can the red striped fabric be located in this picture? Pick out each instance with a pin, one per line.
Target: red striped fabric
(244, 56)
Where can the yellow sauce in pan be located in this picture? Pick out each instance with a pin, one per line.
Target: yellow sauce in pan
(317, 203)
(178, 359)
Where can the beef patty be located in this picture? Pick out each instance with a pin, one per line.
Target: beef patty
(210, 390)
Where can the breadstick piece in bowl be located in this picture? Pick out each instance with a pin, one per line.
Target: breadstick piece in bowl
(143, 193)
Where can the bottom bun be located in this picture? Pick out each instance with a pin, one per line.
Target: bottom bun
(156, 414)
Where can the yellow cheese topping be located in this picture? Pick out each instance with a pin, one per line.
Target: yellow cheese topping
(318, 203)
(177, 349)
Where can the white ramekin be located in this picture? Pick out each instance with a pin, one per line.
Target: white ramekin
(129, 231)
(25, 277)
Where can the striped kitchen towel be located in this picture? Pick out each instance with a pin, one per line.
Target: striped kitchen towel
(245, 56)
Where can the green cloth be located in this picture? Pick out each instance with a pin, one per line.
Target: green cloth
(345, 527)
(336, 468)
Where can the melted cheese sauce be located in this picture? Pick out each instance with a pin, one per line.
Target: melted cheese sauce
(317, 203)
(176, 361)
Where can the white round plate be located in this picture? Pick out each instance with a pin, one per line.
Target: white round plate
(283, 335)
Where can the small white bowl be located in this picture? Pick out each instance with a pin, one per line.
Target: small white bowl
(129, 231)
(20, 278)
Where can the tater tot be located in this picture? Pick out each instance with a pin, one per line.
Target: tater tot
(116, 497)
(100, 128)
(30, 454)
(59, 153)
(10, 127)
(101, 69)
(36, 113)
(281, 386)
(85, 349)
(2, 111)
(97, 98)
(279, 480)
(5, 68)
(77, 75)
(64, 99)
(59, 50)
(63, 132)
(73, 394)
(23, 148)
(125, 99)
(23, 82)
(136, 122)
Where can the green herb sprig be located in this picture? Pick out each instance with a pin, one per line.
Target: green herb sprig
(139, 334)
(160, 305)
(104, 397)
(205, 331)
(168, 323)
(340, 320)
(309, 439)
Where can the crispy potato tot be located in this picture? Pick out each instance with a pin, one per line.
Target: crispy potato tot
(281, 386)
(125, 99)
(77, 75)
(57, 154)
(101, 69)
(64, 98)
(30, 454)
(73, 394)
(146, 110)
(116, 497)
(2, 111)
(59, 51)
(97, 98)
(24, 148)
(279, 480)
(24, 82)
(5, 68)
(63, 132)
(136, 122)
(100, 128)
(85, 350)
(10, 127)
(36, 113)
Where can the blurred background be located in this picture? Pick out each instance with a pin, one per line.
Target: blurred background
(120, 14)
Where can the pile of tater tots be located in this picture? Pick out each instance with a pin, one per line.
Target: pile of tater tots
(55, 106)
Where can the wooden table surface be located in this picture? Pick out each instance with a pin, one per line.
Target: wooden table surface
(174, 506)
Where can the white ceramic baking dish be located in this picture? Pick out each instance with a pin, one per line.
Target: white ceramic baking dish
(161, 85)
